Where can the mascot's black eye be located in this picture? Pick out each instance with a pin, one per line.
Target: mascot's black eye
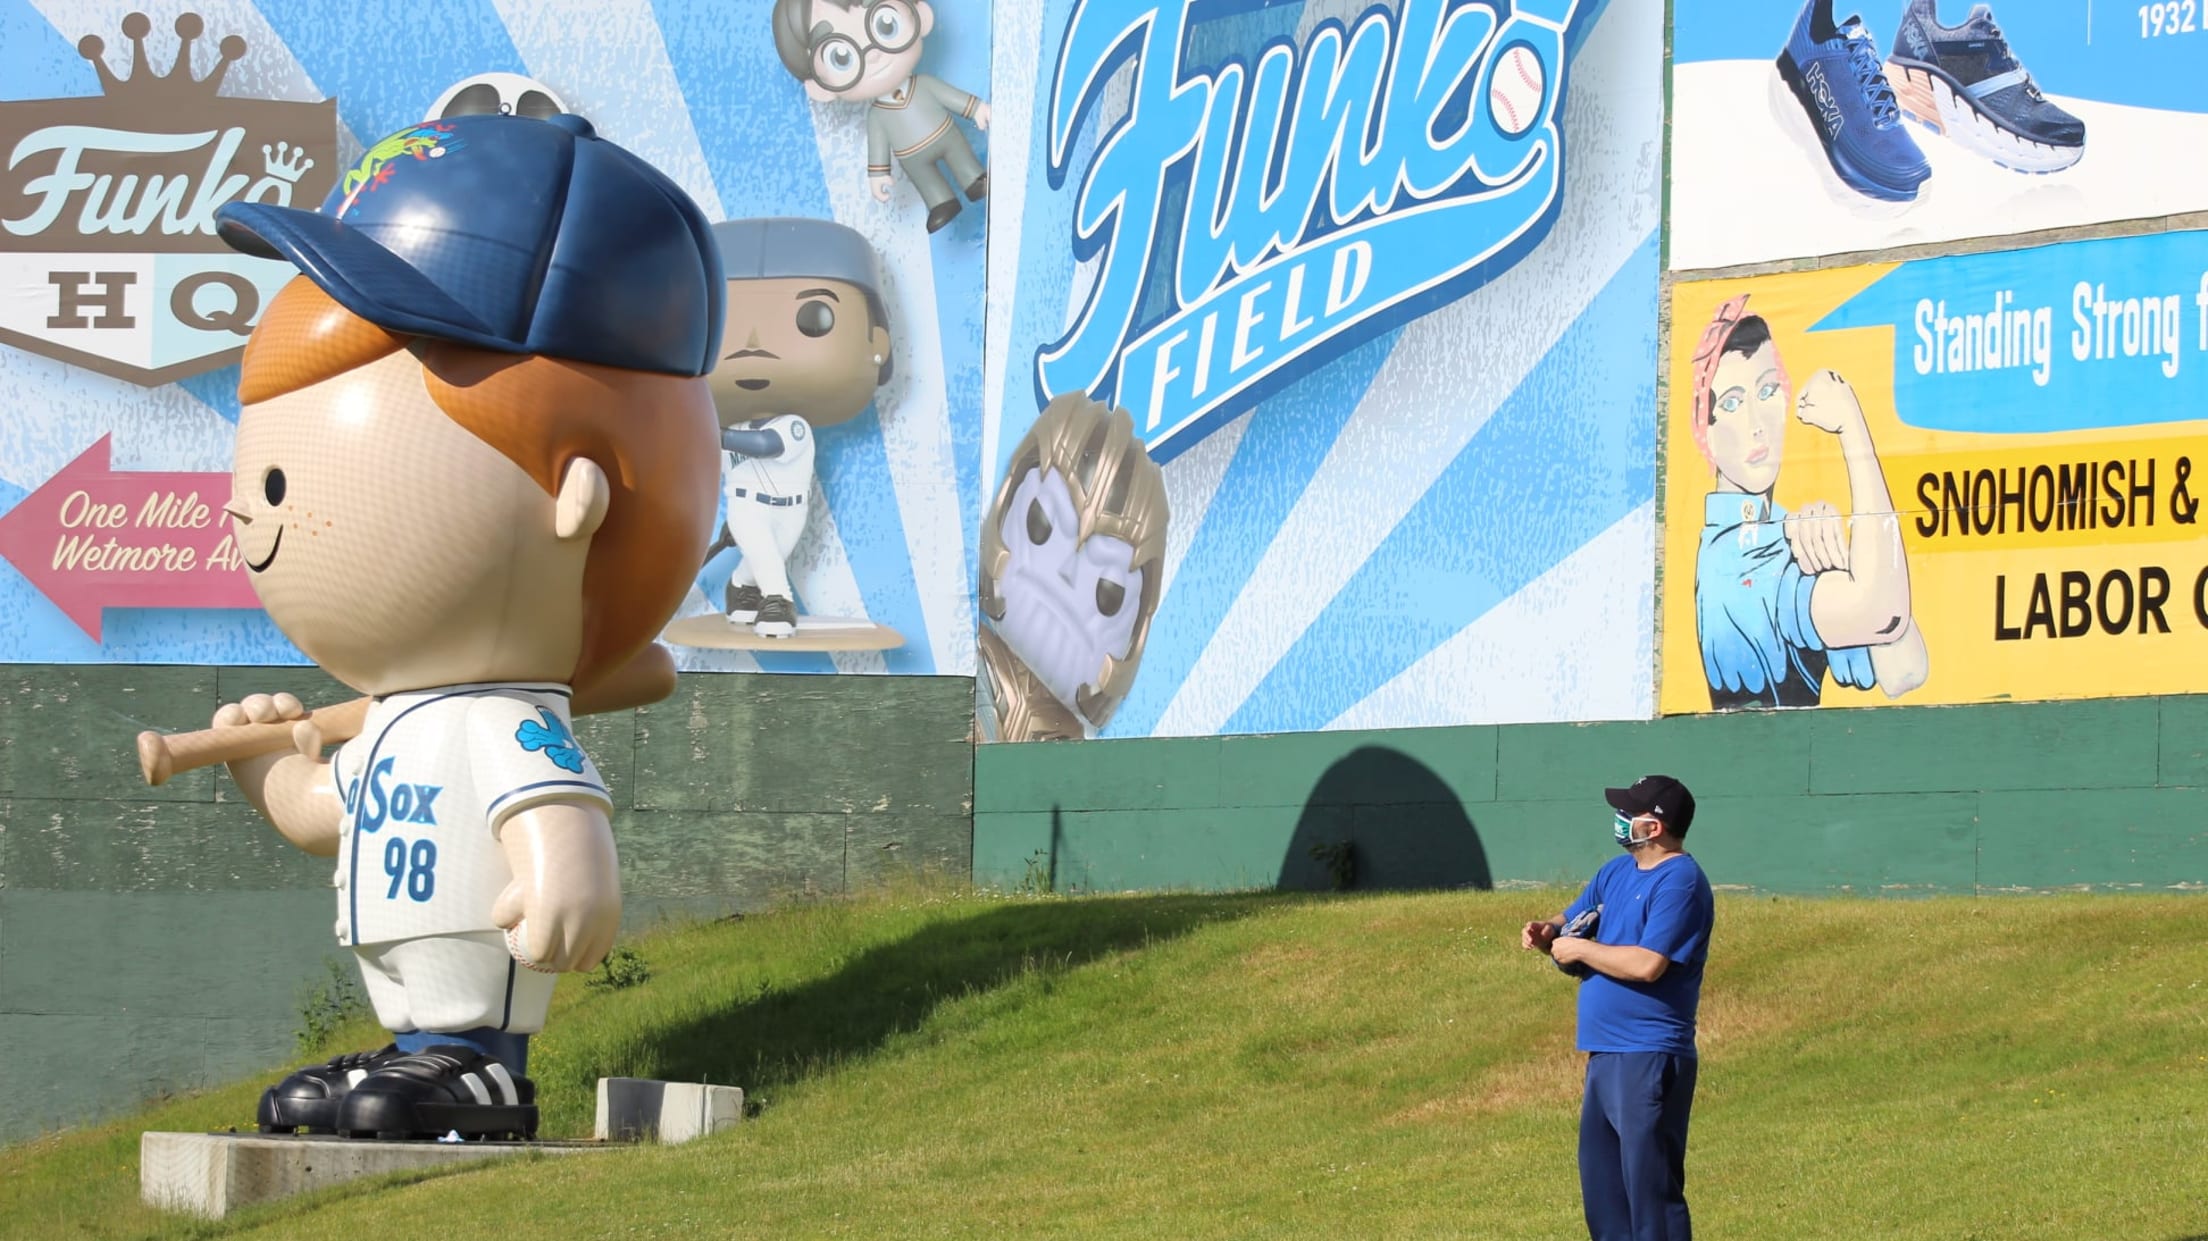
(272, 486)
(1038, 523)
(816, 318)
(1109, 596)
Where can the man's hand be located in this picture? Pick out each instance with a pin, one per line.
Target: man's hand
(1538, 936)
(1819, 537)
(1829, 404)
(1624, 962)
(563, 908)
(981, 117)
(880, 186)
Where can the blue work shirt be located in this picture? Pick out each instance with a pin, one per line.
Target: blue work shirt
(1751, 609)
(1668, 909)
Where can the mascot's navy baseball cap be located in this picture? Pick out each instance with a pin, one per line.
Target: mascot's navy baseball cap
(512, 234)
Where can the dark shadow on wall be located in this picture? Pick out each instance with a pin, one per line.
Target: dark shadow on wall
(1379, 819)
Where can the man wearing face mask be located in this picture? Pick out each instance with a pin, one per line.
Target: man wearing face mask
(1637, 938)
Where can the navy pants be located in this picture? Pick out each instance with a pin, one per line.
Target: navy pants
(1633, 1145)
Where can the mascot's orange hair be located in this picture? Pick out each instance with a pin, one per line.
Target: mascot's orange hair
(654, 436)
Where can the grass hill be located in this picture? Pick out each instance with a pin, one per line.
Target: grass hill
(937, 1064)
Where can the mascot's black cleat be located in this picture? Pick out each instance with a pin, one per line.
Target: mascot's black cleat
(437, 1091)
(308, 1099)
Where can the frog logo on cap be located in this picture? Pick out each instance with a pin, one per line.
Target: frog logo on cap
(379, 163)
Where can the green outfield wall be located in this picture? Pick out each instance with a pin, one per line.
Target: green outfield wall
(2109, 794)
(154, 939)
(157, 939)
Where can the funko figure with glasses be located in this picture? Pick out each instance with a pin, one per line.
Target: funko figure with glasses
(870, 53)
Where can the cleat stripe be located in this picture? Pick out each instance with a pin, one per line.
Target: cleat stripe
(475, 1087)
(497, 1073)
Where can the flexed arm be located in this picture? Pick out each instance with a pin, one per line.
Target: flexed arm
(1867, 602)
(1902, 665)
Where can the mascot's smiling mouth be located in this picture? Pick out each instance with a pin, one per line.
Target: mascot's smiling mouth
(752, 385)
(271, 557)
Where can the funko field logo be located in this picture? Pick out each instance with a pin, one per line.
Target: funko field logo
(108, 253)
(1332, 190)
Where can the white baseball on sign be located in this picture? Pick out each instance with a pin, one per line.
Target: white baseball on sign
(1514, 93)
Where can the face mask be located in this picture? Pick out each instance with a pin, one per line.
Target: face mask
(1621, 830)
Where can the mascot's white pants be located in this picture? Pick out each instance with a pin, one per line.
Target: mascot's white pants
(449, 983)
(765, 534)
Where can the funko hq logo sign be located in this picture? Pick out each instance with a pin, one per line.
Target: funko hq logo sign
(108, 253)
(1331, 191)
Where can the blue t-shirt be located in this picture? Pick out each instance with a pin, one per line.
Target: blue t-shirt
(1668, 909)
(1760, 648)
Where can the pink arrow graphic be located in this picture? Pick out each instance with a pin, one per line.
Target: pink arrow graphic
(92, 538)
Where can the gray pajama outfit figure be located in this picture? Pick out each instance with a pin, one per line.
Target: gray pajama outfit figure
(914, 123)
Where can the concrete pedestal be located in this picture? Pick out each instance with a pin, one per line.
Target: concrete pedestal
(213, 1174)
(635, 1109)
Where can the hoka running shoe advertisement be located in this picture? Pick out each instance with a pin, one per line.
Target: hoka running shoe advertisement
(1953, 480)
(1802, 129)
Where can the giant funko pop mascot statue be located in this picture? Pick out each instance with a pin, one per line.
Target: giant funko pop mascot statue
(476, 469)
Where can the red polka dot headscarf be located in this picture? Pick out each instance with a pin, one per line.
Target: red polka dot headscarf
(1706, 354)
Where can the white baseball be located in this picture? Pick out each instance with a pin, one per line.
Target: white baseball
(516, 936)
(1514, 93)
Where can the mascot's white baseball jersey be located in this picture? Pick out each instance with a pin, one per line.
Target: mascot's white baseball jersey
(767, 498)
(427, 784)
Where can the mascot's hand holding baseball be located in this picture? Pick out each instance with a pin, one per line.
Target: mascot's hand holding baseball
(475, 472)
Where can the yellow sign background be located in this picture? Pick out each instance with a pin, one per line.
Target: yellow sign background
(1952, 576)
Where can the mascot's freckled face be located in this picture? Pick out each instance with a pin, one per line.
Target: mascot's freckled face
(375, 527)
(1069, 603)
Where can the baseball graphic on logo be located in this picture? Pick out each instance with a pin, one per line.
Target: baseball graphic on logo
(1514, 93)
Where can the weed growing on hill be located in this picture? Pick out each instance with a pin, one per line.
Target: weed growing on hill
(1340, 859)
(623, 968)
(326, 1005)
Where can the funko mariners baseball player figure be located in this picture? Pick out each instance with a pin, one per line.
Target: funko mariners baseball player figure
(808, 343)
(870, 53)
(474, 474)
(1072, 557)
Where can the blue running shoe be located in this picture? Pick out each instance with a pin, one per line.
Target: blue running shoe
(1835, 75)
(1963, 81)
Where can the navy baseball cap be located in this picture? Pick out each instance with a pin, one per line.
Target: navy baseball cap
(1661, 796)
(513, 234)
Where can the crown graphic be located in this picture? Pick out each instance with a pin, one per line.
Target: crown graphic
(286, 161)
(177, 84)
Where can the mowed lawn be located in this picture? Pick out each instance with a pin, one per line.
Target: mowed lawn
(953, 1065)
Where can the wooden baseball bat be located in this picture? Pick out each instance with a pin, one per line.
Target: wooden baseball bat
(647, 678)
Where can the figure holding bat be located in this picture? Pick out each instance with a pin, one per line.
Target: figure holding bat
(475, 471)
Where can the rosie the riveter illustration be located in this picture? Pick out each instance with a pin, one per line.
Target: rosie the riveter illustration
(1782, 599)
